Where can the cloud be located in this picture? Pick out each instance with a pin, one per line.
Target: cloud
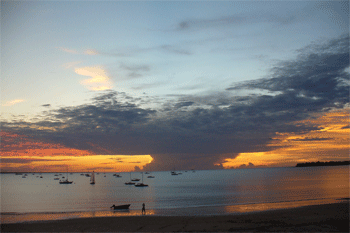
(311, 139)
(99, 80)
(234, 20)
(13, 102)
(91, 52)
(46, 105)
(72, 51)
(25, 160)
(250, 165)
(317, 79)
(134, 71)
(201, 131)
(86, 52)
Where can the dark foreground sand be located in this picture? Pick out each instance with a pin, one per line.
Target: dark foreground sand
(328, 217)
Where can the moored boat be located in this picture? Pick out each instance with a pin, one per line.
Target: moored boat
(120, 207)
(141, 184)
(66, 181)
(92, 179)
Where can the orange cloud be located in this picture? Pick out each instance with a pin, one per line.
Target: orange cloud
(329, 142)
(99, 79)
(97, 163)
(13, 102)
(20, 153)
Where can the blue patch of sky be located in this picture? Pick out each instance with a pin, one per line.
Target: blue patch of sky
(187, 47)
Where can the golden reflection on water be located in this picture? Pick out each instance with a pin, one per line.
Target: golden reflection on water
(274, 206)
(16, 218)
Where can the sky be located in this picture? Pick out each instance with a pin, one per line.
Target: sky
(161, 85)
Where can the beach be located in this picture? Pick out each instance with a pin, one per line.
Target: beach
(321, 218)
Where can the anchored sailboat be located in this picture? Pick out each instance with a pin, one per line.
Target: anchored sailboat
(141, 184)
(130, 182)
(92, 178)
(65, 181)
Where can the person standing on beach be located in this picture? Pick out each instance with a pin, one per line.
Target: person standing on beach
(143, 209)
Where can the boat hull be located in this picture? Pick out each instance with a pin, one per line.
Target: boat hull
(121, 207)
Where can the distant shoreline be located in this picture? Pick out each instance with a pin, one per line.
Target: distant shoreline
(321, 164)
(321, 218)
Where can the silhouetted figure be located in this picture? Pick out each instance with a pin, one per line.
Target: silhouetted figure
(143, 209)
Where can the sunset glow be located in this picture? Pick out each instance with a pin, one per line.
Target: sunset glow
(158, 85)
(89, 163)
(33, 156)
(329, 142)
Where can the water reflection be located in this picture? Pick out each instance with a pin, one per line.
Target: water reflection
(275, 206)
(31, 217)
(205, 192)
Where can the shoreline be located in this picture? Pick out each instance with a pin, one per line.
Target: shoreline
(7, 218)
(324, 217)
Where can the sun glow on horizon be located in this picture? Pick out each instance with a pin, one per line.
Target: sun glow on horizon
(329, 142)
(97, 163)
(20, 153)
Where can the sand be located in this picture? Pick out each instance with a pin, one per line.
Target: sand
(326, 218)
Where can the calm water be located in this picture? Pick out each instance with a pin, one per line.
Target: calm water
(199, 192)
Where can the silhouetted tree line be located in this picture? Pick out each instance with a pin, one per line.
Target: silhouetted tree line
(315, 164)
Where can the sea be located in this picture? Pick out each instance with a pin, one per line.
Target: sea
(191, 193)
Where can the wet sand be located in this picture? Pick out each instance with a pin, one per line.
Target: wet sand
(321, 218)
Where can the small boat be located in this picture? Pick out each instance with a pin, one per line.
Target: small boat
(130, 183)
(117, 175)
(24, 176)
(41, 176)
(135, 179)
(141, 184)
(65, 181)
(120, 207)
(150, 176)
(174, 174)
(87, 175)
(92, 179)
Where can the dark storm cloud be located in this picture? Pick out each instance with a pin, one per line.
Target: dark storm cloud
(198, 131)
(183, 104)
(312, 139)
(317, 79)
